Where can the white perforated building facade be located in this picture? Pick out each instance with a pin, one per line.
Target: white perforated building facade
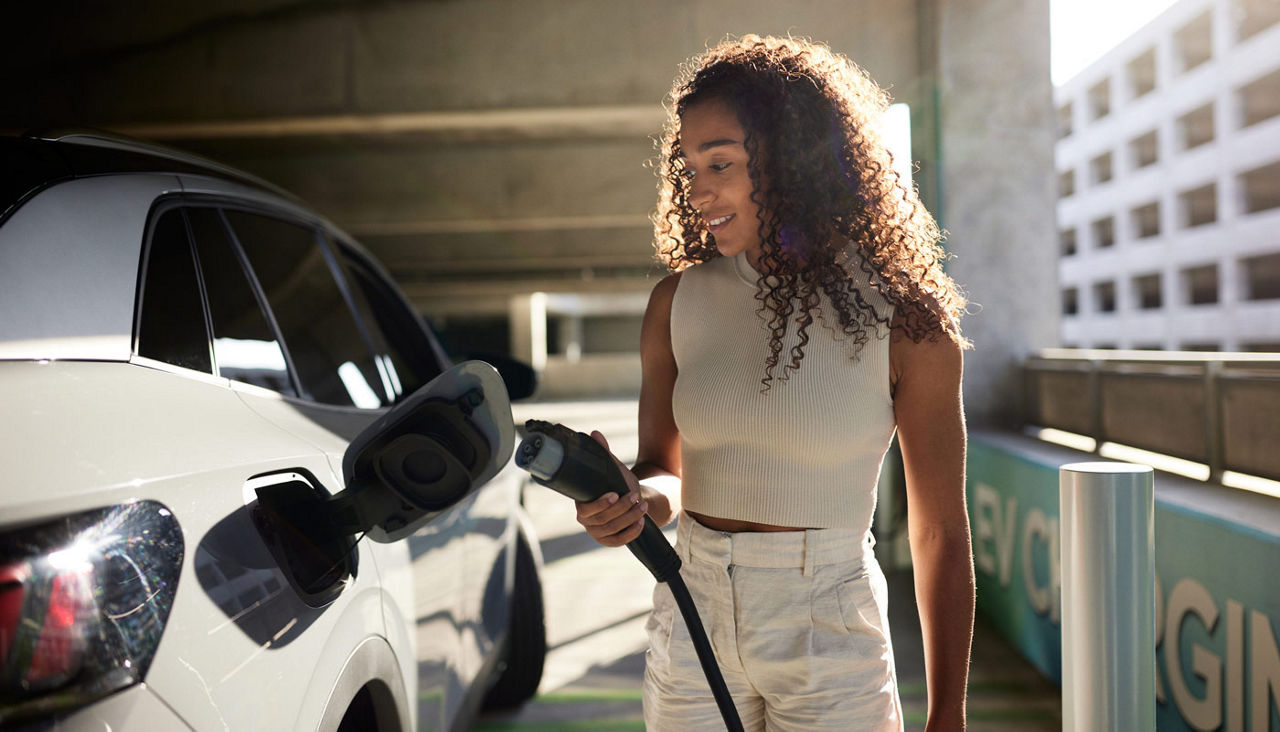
(1168, 169)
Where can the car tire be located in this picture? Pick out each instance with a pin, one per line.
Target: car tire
(526, 646)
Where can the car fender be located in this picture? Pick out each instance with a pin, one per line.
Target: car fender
(395, 577)
(526, 528)
(372, 663)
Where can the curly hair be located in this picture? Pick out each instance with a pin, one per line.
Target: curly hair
(811, 119)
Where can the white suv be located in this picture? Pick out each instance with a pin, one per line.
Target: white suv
(186, 354)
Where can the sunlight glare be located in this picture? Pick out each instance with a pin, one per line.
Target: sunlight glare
(1079, 36)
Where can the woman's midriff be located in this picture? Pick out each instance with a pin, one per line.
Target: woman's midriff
(734, 525)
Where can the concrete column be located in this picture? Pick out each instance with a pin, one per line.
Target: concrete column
(571, 337)
(923, 96)
(529, 329)
(1166, 62)
(1170, 291)
(1230, 293)
(996, 136)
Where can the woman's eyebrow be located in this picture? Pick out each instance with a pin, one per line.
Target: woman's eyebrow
(717, 143)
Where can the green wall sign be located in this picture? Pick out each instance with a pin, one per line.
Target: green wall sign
(1217, 593)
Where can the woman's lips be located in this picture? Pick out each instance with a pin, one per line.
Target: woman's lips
(717, 223)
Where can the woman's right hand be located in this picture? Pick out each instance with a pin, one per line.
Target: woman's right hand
(614, 520)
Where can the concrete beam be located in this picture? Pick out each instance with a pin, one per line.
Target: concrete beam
(637, 121)
(391, 183)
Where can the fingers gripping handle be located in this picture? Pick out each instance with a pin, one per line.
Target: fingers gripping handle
(577, 466)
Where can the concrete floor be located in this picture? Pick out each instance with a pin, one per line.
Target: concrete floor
(597, 600)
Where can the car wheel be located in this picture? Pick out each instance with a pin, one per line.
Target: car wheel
(361, 715)
(526, 646)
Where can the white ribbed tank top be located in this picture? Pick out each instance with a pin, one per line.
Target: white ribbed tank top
(807, 453)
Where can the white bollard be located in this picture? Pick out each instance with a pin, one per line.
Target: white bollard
(1108, 597)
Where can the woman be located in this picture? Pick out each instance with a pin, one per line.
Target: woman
(807, 319)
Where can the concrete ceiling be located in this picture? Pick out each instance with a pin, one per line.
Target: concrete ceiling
(480, 148)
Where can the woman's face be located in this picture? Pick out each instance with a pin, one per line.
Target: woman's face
(720, 187)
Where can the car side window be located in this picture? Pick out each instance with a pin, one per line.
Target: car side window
(404, 343)
(171, 323)
(245, 346)
(329, 352)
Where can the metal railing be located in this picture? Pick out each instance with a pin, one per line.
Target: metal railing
(1217, 409)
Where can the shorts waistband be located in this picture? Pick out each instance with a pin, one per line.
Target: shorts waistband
(772, 549)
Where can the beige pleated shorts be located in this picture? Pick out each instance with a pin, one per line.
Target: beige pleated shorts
(798, 622)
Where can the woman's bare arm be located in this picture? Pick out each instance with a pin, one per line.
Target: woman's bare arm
(931, 433)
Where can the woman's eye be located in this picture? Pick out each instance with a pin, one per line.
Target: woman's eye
(690, 173)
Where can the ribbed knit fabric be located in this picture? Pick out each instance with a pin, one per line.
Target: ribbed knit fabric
(807, 453)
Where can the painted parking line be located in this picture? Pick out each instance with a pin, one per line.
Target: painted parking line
(579, 697)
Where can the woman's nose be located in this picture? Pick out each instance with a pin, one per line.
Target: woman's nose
(700, 194)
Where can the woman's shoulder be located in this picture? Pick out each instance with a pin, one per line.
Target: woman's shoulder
(862, 276)
(932, 351)
(691, 286)
(856, 265)
(695, 276)
(716, 263)
(664, 292)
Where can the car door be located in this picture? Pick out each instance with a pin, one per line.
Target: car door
(237, 627)
(478, 526)
(345, 378)
(346, 373)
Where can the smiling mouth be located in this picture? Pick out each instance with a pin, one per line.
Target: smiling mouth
(719, 221)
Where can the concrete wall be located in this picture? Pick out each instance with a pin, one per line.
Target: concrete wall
(1217, 659)
(602, 376)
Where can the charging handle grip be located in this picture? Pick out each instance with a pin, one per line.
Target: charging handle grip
(574, 465)
(655, 552)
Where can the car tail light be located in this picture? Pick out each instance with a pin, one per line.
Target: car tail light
(83, 603)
